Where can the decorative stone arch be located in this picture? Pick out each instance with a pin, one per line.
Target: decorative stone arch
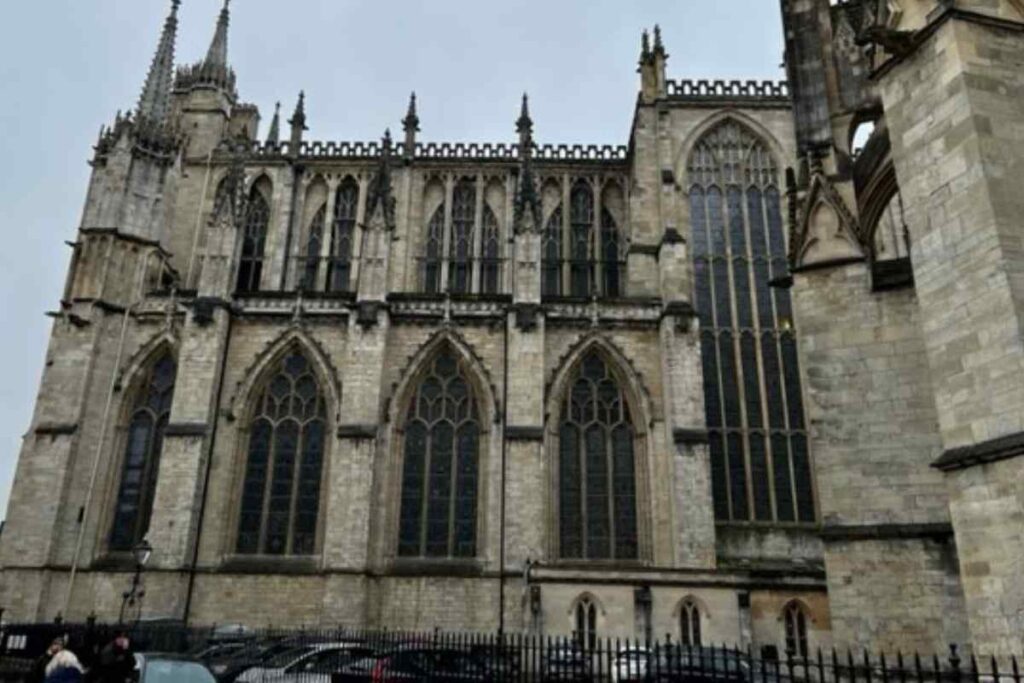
(240, 404)
(681, 609)
(392, 439)
(637, 398)
(586, 601)
(756, 128)
(796, 609)
(139, 361)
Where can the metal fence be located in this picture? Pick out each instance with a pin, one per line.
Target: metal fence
(233, 653)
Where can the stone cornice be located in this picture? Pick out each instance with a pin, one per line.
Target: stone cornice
(983, 453)
(881, 532)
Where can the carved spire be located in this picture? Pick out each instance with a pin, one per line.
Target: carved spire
(645, 47)
(155, 101)
(298, 123)
(527, 215)
(274, 135)
(411, 124)
(218, 52)
(659, 46)
(380, 196)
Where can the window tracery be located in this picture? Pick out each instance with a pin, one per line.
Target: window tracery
(689, 624)
(760, 461)
(339, 265)
(585, 616)
(795, 618)
(254, 240)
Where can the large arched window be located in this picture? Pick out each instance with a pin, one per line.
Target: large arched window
(551, 266)
(254, 241)
(346, 206)
(281, 490)
(596, 468)
(760, 462)
(795, 622)
(440, 467)
(434, 250)
(314, 243)
(144, 441)
(460, 250)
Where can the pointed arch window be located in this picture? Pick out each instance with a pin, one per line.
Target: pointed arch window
(254, 242)
(434, 250)
(440, 468)
(460, 252)
(551, 266)
(596, 468)
(760, 461)
(689, 624)
(585, 617)
(281, 489)
(314, 244)
(490, 270)
(581, 235)
(346, 207)
(611, 255)
(143, 444)
(795, 619)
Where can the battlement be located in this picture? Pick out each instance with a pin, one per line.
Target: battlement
(717, 90)
(443, 151)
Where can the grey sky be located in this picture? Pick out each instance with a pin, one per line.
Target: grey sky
(66, 66)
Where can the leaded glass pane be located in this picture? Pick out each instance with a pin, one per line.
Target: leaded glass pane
(281, 490)
(597, 468)
(141, 461)
(580, 236)
(441, 464)
(346, 206)
(490, 273)
(254, 238)
(611, 261)
(434, 250)
(314, 243)
(739, 247)
(461, 246)
(551, 265)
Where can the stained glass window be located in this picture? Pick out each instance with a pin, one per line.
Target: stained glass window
(597, 469)
(314, 242)
(760, 462)
(611, 255)
(346, 206)
(440, 466)
(581, 233)
(689, 624)
(254, 240)
(551, 266)
(281, 490)
(434, 250)
(795, 619)
(143, 443)
(490, 274)
(460, 252)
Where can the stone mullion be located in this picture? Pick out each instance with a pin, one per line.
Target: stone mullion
(565, 265)
(298, 246)
(327, 244)
(358, 240)
(446, 238)
(597, 241)
(476, 237)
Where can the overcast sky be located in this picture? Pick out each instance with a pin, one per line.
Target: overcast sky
(66, 66)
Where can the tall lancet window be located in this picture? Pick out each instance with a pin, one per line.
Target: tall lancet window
(596, 468)
(440, 467)
(761, 467)
(434, 251)
(551, 266)
(460, 251)
(281, 489)
(254, 241)
(143, 443)
(490, 267)
(581, 235)
(314, 243)
(346, 205)
(611, 256)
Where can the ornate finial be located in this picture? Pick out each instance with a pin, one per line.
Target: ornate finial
(386, 141)
(155, 101)
(380, 195)
(217, 55)
(274, 136)
(645, 46)
(525, 124)
(298, 119)
(411, 122)
(658, 45)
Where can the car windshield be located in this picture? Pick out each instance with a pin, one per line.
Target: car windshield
(171, 671)
(285, 658)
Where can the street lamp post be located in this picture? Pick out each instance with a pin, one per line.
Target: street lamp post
(134, 595)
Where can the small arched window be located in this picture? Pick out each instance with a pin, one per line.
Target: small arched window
(596, 468)
(581, 234)
(314, 244)
(281, 490)
(689, 623)
(254, 242)
(795, 618)
(434, 250)
(151, 409)
(490, 272)
(460, 251)
(551, 266)
(346, 206)
(586, 623)
(440, 466)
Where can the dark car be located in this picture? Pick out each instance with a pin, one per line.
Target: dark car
(699, 665)
(257, 654)
(568, 664)
(160, 668)
(421, 664)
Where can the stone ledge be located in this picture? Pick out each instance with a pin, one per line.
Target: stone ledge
(56, 429)
(434, 567)
(993, 450)
(266, 564)
(687, 435)
(186, 429)
(524, 433)
(825, 265)
(884, 532)
(357, 431)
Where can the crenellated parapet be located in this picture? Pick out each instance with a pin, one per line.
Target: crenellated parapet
(716, 90)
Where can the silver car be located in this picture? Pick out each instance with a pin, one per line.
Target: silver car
(312, 663)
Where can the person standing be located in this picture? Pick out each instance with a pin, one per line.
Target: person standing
(116, 662)
(38, 674)
(64, 667)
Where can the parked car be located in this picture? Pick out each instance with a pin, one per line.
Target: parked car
(257, 654)
(631, 664)
(416, 663)
(700, 665)
(161, 668)
(306, 664)
(568, 664)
